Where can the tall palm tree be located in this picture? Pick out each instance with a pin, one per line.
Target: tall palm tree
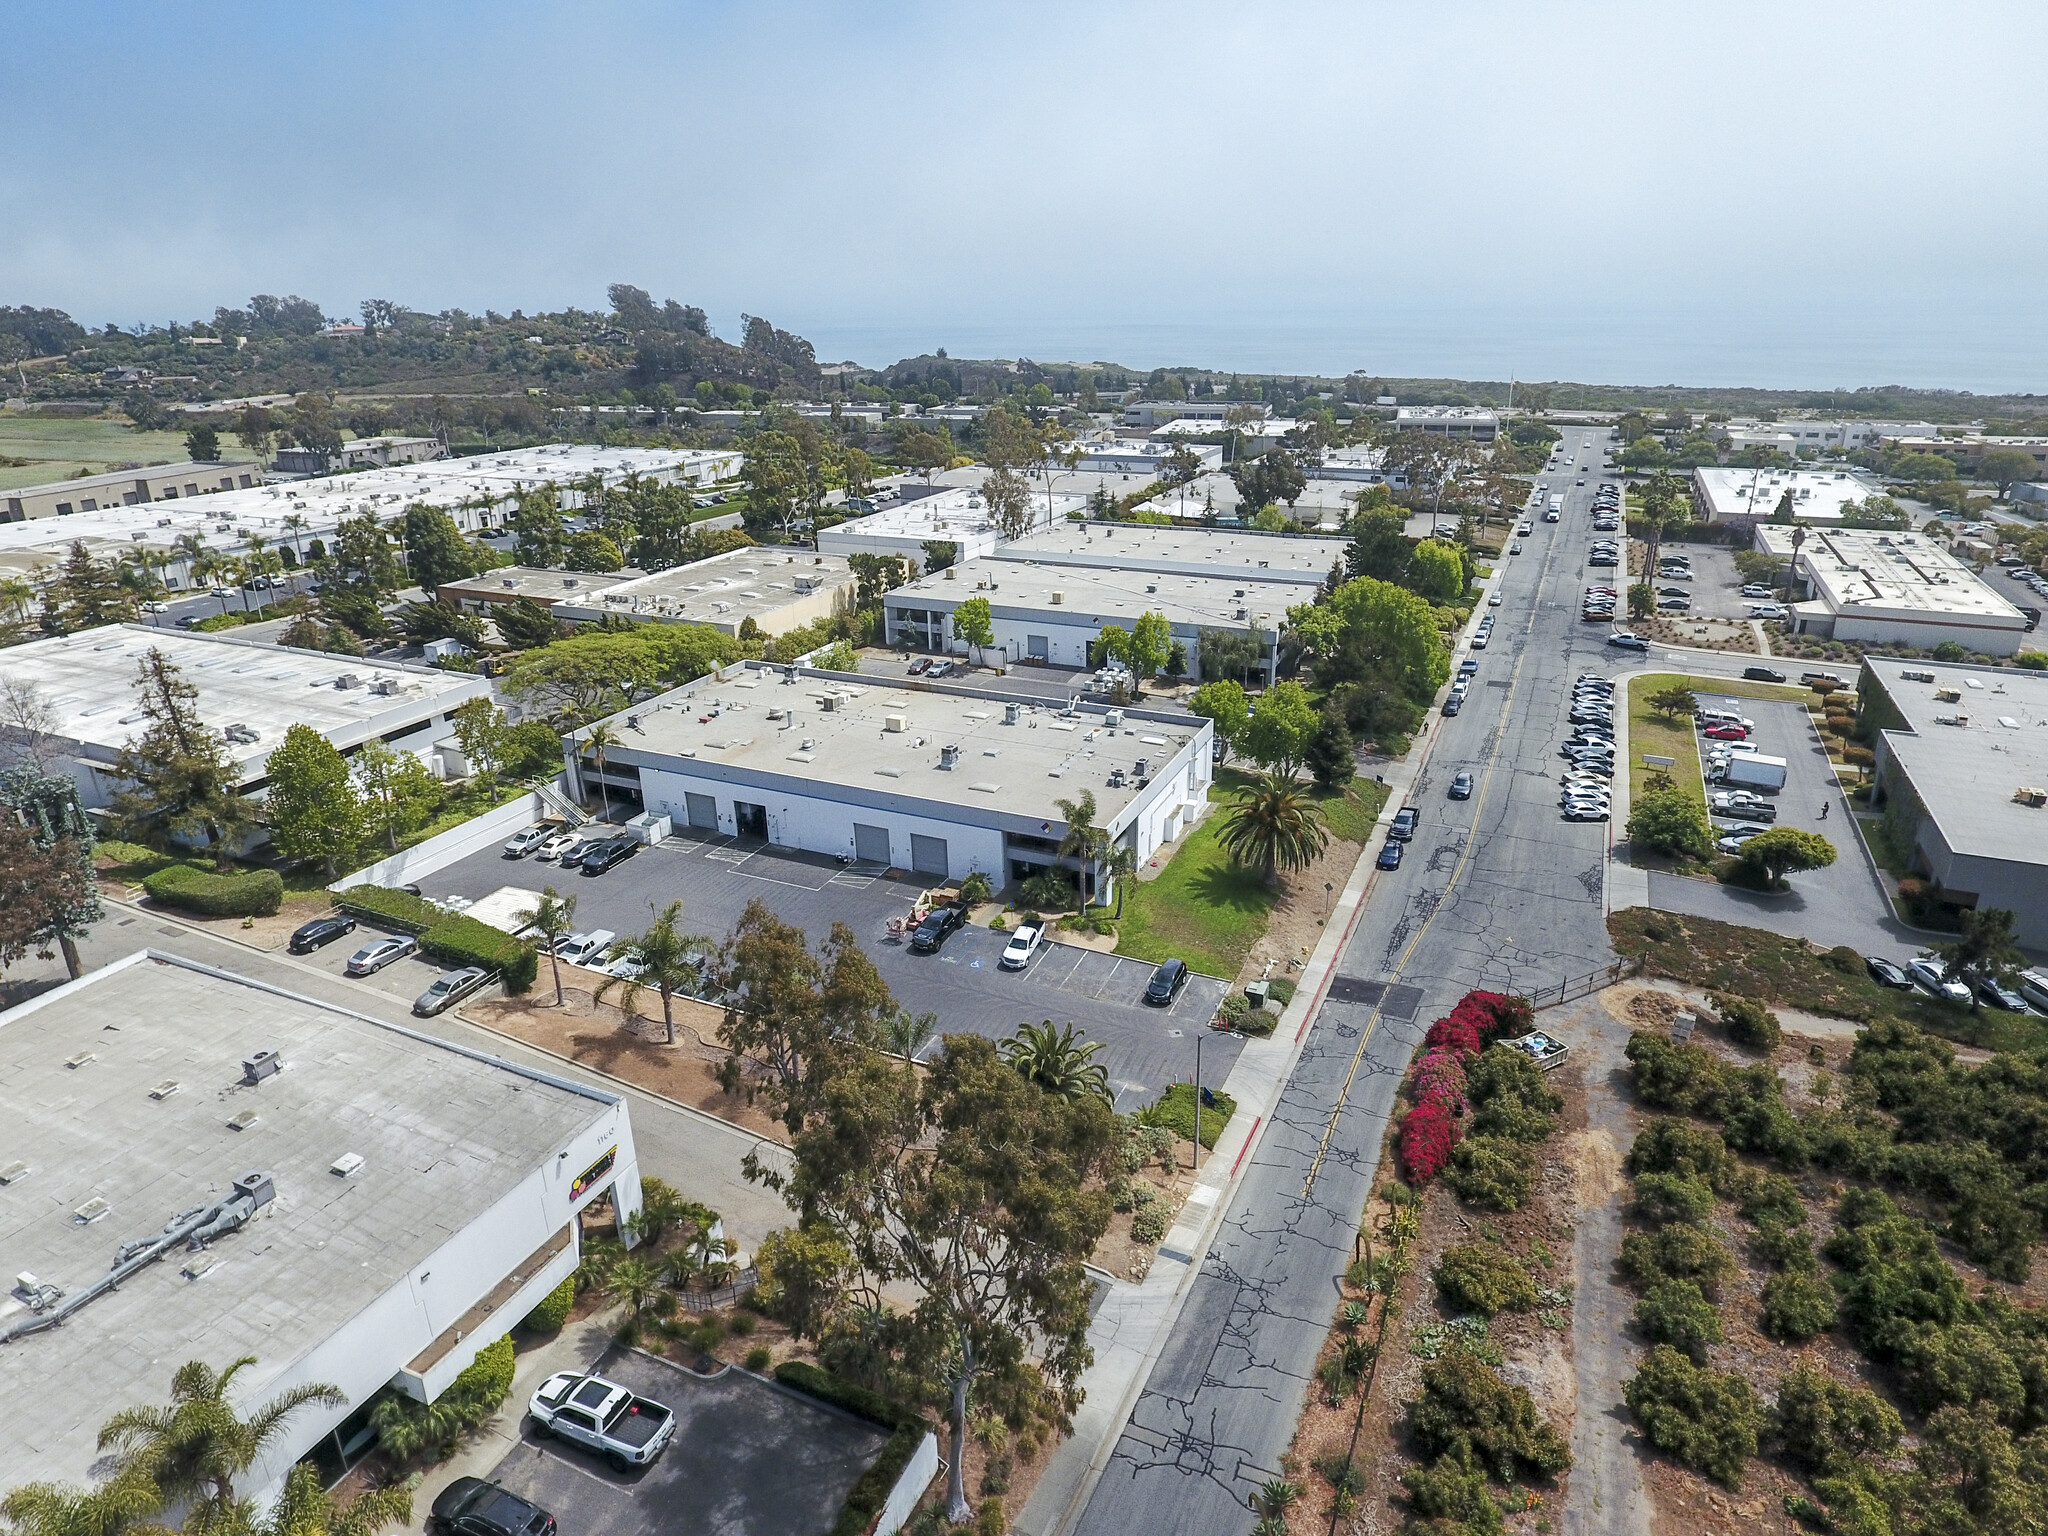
(667, 961)
(195, 1447)
(1082, 841)
(294, 525)
(552, 917)
(1118, 865)
(1985, 947)
(600, 739)
(1057, 1061)
(307, 1509)
(906, 1033)
(636, 1283)
(1274, 826)
(121, 1504)
(188, 547)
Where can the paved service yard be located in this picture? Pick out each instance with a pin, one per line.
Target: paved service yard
(749, 1458)
(1144, 1048)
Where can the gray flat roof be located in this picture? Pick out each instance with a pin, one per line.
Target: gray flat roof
(1864, 573)
(1225, 552)
(1112, 595)
(509, 582)
(1017, 769)
(1965, 772)
(755, 582)
(444, 1133)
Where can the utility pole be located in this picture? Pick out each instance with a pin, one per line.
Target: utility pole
(1198, 1103)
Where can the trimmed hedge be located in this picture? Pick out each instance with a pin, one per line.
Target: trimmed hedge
(254, 893)
(446, 936)
(552, 1310)
(865, 1499)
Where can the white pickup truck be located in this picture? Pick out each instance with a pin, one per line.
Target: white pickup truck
(602, 1416)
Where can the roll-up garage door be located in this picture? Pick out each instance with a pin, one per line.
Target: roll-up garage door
(871, 844)
(703, 810)
(928, 854)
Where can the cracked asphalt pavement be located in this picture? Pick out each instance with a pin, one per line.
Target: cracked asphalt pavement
(1506, 895)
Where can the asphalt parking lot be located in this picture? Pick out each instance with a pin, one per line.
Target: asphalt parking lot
(1715, 585)
(1144, 1048)
(749, 1458)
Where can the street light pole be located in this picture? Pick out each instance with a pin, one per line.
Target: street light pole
(1198, 1103)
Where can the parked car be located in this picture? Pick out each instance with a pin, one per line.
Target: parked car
(1766, 611)
(935, 928)
(1493, 601)
(1727, 733)
(1022, 946)
(580, 948)
(2033, 987)
(1390, 855)
(448, 989)
(1885, 974)
(1758, 589)
(1929, 974)
(602, 856)
(308, 937)
(626, 1429)
(1763, 675)
(558, 844)
(1628, 642)
(1994, 993)
(1166, 983)
(940, 668)
(373, 957)
(1461, 786)
(520, 844)
(1454, 703)
(1405, 821)
(469, 1506)
(919, 667)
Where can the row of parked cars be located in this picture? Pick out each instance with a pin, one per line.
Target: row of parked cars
(1586, 793)
(593, 852)
(448, 989)
(2024, 993)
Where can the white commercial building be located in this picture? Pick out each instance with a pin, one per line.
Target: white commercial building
(197, 1166)
(1477, 423)
(250, 693)
(1368, 466)
(1260, 436)
(942, 513)
(1052, 615)
(1152, 413)
(475, 492)
(1147, 460)
(1887, 588)
(1750, 496)
(1240, 554)
(1962, 766)
(779, 589)
(1810, 435)
(125, 488)
(940, 779)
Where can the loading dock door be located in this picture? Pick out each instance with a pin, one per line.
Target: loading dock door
(703, 810)
(871, 844)
(928, 854)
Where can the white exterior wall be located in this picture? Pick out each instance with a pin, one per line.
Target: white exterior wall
(1176, 798)
(1929, 633)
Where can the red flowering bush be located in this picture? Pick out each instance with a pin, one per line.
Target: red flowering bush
(1427, 1136)
(1440, 1077)
(1505, 1017)
(1453, 1033)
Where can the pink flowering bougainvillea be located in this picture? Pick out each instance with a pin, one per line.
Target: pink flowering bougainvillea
(1427, 1136)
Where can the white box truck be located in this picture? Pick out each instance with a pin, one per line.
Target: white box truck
(1755, 770)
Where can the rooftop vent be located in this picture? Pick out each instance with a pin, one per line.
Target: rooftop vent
(91, 1211)
(75, 1062)
(346, 1166)
(263, 1064)
(895, 724)
(1058, 598)
(164, 1089)
(14, 1172)
(949, 757)
(243, 1121)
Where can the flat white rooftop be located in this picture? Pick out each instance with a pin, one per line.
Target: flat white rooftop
(508, 583)
(1968, 753)
(1818, 495)
(756, 582)
(1231, 553)
(120, 1092)
(752, 720)
(1870, 574)
(1092, 596)
(88, 679)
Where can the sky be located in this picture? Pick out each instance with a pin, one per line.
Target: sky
(1787, 194)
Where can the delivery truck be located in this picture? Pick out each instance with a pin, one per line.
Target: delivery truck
(1755, 770)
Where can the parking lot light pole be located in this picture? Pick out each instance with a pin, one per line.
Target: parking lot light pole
(1198, 1103)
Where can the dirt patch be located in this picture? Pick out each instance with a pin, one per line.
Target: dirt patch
(1648, 1008)
(1297, 921)
(1121, 1254)
(271, 933)
(602, 1036)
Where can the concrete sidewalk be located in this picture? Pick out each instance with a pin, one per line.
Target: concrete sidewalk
(1131, 1328)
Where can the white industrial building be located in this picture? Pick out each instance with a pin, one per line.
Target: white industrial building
(250, 693)
(1368, 466)
(1810, 435)
(1213, 413)
(1148, 460)
(1747, 497)
(778, 588)
(1239, 554)
(125, 488)
(1051, 615)
(948, 511)
(476, 492)
(1257, 436)
(543, 584)
(1883, 588)
(944, 780)
(1962, 775)
(1477, 423)
(198, 1166)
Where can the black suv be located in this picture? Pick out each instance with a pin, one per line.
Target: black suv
(322, 930)
(1166, 983)
(613, 851)
(469, 1506)
(938, 923)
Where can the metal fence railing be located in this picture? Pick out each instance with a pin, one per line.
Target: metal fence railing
(1582, 986)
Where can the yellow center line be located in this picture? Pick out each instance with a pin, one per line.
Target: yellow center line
(1464, 857)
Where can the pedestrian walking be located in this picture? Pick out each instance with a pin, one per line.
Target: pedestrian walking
(1824, 805)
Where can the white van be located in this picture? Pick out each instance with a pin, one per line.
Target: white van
(2033, 987)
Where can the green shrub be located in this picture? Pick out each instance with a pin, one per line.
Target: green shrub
(487, 1380)
(1467, 1412)
(1797, 1306)
(1959, 1366)
(1688, 1079)
(394, 908)
(1493, 1171)
(1668, 1197)
(1706, 1419)
(1478, 1277)
(1674, 1312)
(1784, 1248)
(1773, 1198)
(1749, 1023)
(1279, 991)
(801, 1376)
(1149, 1225)
(1510, 1096)
(758, 1358)
(532, 750)
(1175, 1110)
(552, 1310)
(1453, 1489)
(459, 940)
(1828, 1427)
(250, 893)
(406, 1428)
(1682, 1251)
(1672, 1146)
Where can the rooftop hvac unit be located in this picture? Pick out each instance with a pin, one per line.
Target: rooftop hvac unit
(348, 680)
(1114, 719)
(829, 703)
(511, 582)
(263, 1064)
(949, 573)
(1058, 598)
(1141, 767)
(949, 757)
(895, 724)
(1010, 713)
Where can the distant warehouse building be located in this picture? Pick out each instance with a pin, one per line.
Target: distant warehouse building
(125, 488)
(1885, 588)
(542, 584)
(938, 779)
(1241, 554)
(197, 1166)
(1468, 421)
(1053, 614)
(1747, 497)
(1962, 774)
(778, 589)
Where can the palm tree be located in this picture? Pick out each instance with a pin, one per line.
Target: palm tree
(294, 525)
(1274, 826)
(122, 1503)
(667, 961)
(600, 739)
(906, 1033)
(1118, 865)
(188, 547)
(1082, 841)
(307, 1509)
(194, 1448)
(552, 917)
(1057, 1061)
(637, 1284)
(1984, 947)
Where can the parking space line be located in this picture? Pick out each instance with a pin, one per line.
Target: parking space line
(1079, 961)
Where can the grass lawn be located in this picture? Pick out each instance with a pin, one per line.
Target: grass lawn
(1650, 732)
(58, 447)
(1207, 911)
(1789, 972)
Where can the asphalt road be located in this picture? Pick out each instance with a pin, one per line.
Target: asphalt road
(1496, 892)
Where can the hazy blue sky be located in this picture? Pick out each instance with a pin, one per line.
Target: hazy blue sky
(1785, 193)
